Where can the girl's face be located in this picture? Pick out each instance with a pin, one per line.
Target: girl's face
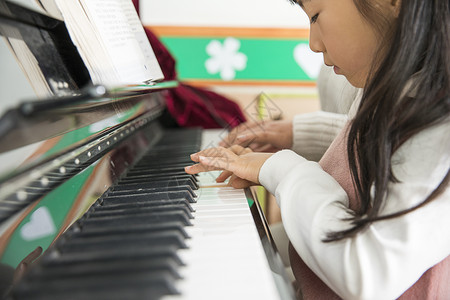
(347, 40)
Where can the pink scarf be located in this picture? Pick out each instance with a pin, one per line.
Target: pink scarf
(434, 283)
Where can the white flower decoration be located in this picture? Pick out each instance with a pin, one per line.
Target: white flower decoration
(225, 58)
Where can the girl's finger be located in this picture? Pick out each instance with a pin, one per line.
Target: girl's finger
(210, 152)
(265, 148)
(239, 183)
(194, 157)
(198, 168)
(223, 176)
(256, 147)
(239, 150)
(236, 148)
(215, 163)
(195, 169)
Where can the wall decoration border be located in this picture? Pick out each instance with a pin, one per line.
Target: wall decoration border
(241, 56)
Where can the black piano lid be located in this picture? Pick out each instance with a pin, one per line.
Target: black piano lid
(76, 103)
(118, 112)
(33, 121)
(74, 98)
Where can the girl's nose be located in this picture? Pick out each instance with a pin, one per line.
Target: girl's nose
(315, 40)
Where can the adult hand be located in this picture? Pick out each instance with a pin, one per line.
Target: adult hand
(264, 136)
(243, 168)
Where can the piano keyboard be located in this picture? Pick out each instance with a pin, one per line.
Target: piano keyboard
(159, 233)
(226, 259)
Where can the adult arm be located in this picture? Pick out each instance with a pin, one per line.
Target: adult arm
(314, 132)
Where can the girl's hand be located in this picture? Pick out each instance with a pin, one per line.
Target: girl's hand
(241, 164)
(235, 181)
(267, 136)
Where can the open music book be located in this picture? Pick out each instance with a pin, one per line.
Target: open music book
(100, 42)
(111, 41)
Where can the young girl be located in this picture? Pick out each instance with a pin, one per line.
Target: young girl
(371, 219)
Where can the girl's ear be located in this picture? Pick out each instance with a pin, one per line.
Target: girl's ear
(395, 6)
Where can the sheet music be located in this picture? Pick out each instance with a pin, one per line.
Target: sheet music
(119, 26)
(111, 40)
(150, 59)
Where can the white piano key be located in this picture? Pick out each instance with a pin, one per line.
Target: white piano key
(212, 137)
(225, 258)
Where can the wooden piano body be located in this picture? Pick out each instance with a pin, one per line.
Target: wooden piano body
(100, 186)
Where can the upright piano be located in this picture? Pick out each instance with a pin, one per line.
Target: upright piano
(104, 178)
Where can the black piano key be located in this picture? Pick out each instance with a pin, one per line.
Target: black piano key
(159, 168)
(145, 197)
(150, 174)
(56, 257)
(162, 168)
(105, 206)
(140, 179)
(157, 184)
(157, 165)
(101, 268)
(168, 181)
(136, 211)
(125, 191)
(125, 246)
(112, 230)
(164, 158)
(132, 285)
(179, 163)
(6, 208)
(122, 241)
(157, 217)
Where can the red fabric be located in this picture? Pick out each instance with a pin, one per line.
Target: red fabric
(434, 283)
(192, 106)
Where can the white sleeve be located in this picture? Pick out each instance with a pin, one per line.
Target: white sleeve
(387, 258)
(314, 132)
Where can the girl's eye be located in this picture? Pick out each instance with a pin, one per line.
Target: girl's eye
(314, 18)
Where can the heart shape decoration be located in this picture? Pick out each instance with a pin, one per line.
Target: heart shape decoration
(309, 61)
(40, 225)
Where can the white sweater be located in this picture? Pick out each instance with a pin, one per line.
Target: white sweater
(387, 258)
(314, 132)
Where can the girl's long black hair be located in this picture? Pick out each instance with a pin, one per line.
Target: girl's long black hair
(407, 92)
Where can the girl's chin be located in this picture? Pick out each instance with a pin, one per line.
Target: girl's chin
(337, 70)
